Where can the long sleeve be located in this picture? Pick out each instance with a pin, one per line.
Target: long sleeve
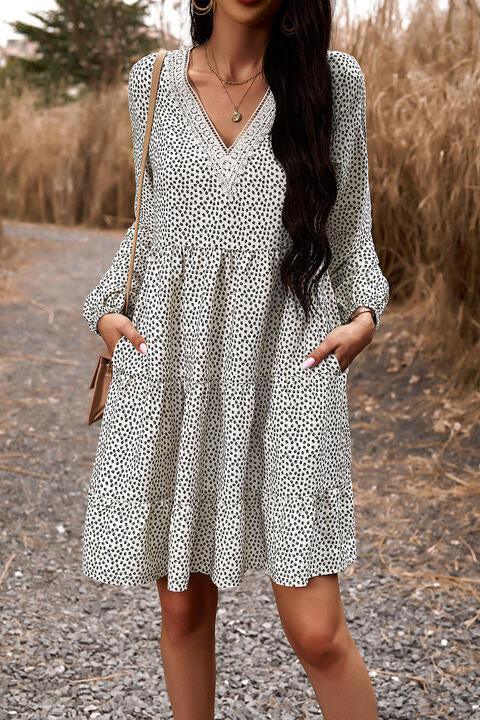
(355, 273)
(109, 295)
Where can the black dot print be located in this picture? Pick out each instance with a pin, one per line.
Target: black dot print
(217, 452)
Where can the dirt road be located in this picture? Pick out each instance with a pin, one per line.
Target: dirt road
(72, 648)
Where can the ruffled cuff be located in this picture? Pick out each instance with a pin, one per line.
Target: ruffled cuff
(350, 312)
(93, 311)
(376, 301)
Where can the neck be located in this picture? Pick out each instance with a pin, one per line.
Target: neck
(238, 48)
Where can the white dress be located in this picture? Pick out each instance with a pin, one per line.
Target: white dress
(217, 452)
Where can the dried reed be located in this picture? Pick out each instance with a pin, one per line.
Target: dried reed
(72, 164)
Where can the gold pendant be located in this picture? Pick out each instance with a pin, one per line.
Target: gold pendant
(237, 116)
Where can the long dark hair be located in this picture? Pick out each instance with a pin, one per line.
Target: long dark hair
(297, 71)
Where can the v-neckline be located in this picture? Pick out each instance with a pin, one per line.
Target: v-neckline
(226, 149)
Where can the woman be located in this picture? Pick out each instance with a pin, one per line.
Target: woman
(225, 442)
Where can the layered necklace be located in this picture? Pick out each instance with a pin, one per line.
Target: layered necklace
(237, 115)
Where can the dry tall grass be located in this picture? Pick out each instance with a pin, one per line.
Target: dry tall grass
(67, 164)
(73, 164)
(423, 94)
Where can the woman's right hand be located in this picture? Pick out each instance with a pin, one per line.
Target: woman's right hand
(112, 326)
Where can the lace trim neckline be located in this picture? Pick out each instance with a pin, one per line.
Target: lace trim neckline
(227, 149)
(228, 162)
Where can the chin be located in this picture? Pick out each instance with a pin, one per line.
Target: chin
(248, 12)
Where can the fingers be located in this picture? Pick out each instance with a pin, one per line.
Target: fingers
(319, 353)
(129, 330)
(112, 326)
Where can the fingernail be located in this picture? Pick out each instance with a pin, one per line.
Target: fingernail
(308, 362)
(143, 348)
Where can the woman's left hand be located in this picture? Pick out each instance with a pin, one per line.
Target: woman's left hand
(345, 342)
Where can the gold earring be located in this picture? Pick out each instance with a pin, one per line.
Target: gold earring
(203, 10)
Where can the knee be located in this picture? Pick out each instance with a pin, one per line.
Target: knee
(322, 646)
(184, 613)
(181, 617)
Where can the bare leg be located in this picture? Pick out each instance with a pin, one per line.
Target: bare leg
(187, 644)
(314, 624)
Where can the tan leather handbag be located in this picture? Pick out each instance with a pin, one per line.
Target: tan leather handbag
(102, 375)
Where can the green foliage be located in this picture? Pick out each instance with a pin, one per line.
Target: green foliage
(83, 44)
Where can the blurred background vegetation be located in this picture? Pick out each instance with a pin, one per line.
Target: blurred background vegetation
(65, 145)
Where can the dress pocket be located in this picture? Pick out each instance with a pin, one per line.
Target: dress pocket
(329, 367)
(127, 358)
(118, 347)
(339, 370)
(330, 364)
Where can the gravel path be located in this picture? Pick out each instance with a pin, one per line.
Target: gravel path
(72, 648)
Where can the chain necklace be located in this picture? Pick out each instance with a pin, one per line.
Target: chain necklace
(237, 115)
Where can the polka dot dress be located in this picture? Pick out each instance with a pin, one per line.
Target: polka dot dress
(217, 452)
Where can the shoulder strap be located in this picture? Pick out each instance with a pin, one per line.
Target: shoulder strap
(157, 68)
